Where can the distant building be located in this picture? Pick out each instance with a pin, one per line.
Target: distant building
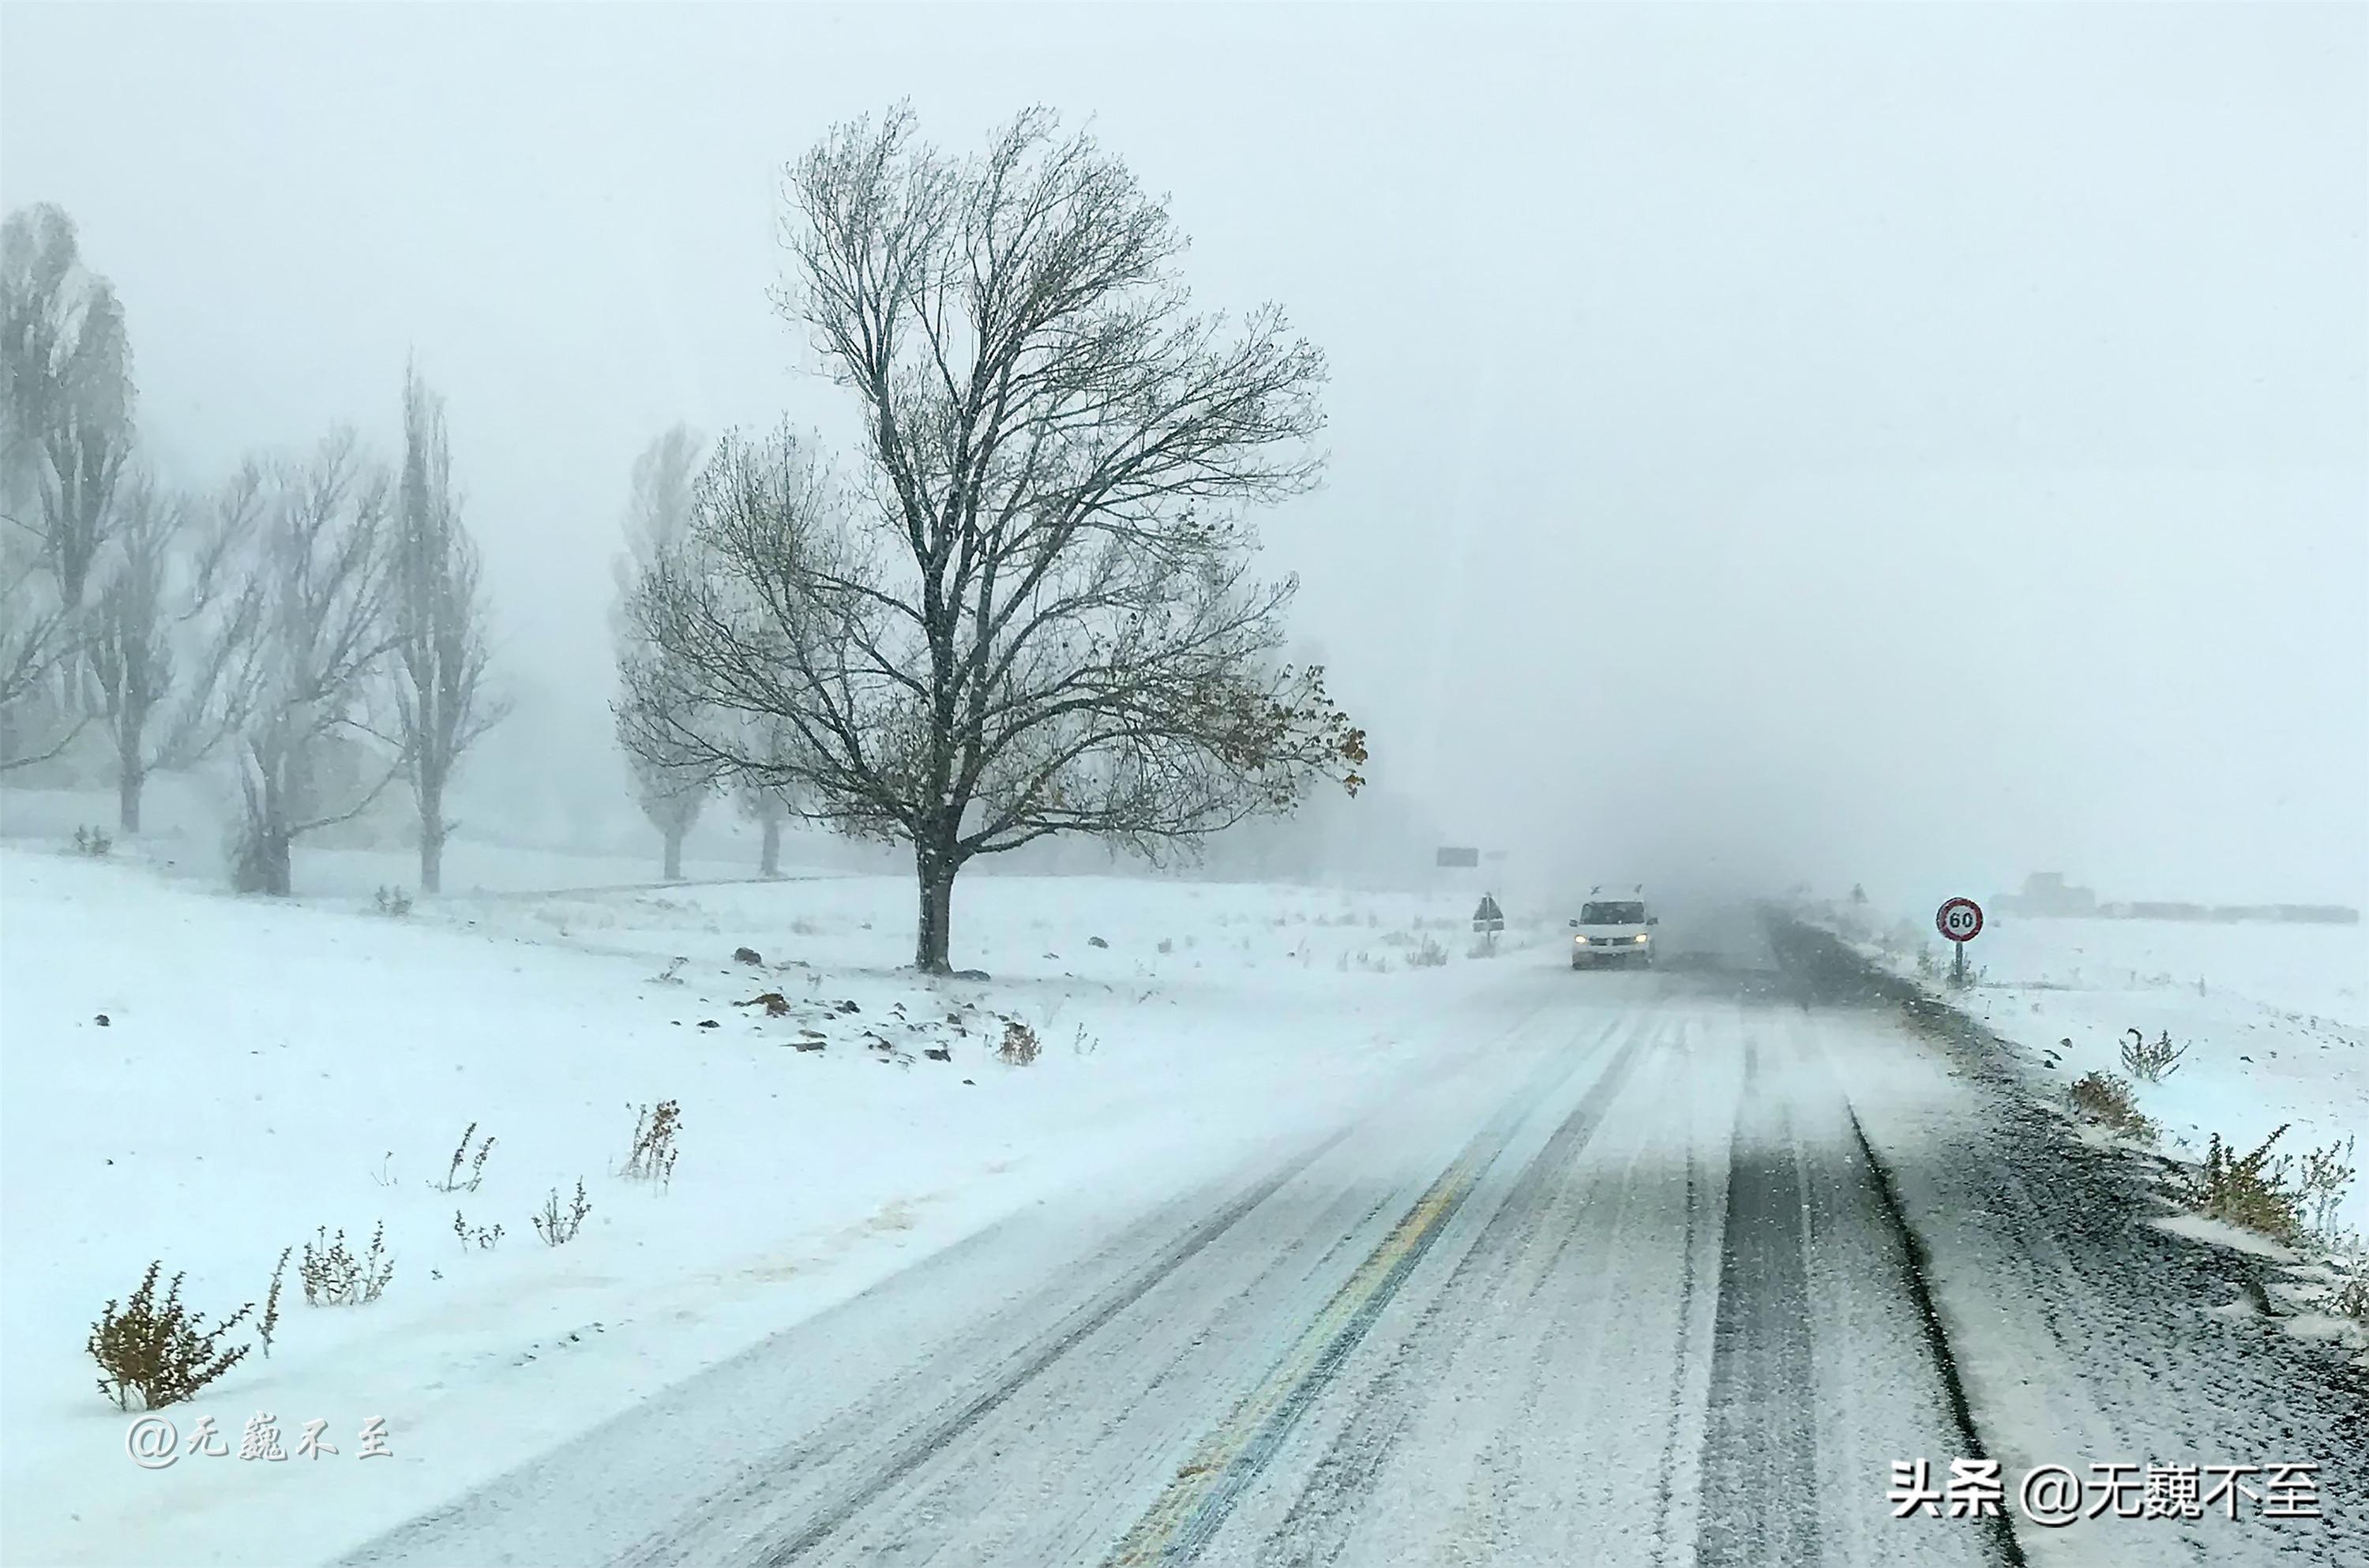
(2045, 893)
(2169, 911)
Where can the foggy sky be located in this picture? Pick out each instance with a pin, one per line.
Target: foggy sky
(1905, 445)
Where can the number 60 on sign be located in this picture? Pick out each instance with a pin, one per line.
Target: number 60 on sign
(1960, 919)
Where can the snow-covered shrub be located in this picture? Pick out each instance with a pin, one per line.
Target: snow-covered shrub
(334, 1276)
(558, 1229)
(2253, 1192)
(394, 901)
(1020, 1045)
(2324, 1177)
(2102, 1097)
(652, 1155)
(1427, 955)
(160, 1353)
(2152, 1062)
(92, 842)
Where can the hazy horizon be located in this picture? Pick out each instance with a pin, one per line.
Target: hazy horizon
(1905, 445)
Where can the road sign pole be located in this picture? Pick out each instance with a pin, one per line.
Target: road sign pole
(1961, 920)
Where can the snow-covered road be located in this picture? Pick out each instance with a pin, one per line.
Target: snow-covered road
(1292, 1250)
(1619, 1286)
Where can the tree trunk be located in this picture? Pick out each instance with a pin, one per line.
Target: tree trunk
(128, 782)
(431, 838)
(279, 865)
(264, 862)
(935, 873)
(674, 854)
(769, 853)
(265, 847)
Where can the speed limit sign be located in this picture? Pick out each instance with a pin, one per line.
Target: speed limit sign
(1960, 919)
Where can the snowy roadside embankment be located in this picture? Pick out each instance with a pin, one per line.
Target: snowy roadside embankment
(2272, 1020)
(2085, 1330)
(265, 1072)
(2055, 1002)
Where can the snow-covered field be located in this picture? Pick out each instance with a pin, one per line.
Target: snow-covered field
(182, 834)
(264, 1071)
(2273, 1018)
(2310, 970)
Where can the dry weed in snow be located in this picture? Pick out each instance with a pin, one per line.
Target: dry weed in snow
(1020, 1045)
(160, 1353)
(334, 1276)
(557, 1226)
(2152, 1064)
(2104, 1098)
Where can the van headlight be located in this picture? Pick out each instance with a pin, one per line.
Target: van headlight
(1641, 937)
(1581, 940)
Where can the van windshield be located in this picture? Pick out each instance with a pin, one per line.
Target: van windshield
(1612, 915)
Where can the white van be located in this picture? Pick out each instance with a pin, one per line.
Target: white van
(1612, 931)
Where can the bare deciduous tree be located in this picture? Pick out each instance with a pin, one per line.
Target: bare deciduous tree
(671, 788)
(172, 635)
(66, 436)
(37, 638)
(438, 674)
(672, 799)
(766, 805)
(321, 570)
(1036, 615)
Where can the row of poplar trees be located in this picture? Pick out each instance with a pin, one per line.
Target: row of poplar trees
(315, 622)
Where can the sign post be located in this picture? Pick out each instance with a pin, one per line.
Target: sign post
(1488, 920)
(1961, 920)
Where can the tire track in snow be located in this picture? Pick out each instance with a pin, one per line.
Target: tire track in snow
(1916, 1266)
(1108, 1421)
(1760, 1469)
(1204, 1493)
(1315, 1529)
(817, 1530)
(1665, 1498)
(1084, 1321)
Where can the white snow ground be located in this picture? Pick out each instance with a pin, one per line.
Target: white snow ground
(182, 833)
(2275, 1019)
(271, 1068)
(268, 1069)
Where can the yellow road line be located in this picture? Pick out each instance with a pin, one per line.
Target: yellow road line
(1202, 1473)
